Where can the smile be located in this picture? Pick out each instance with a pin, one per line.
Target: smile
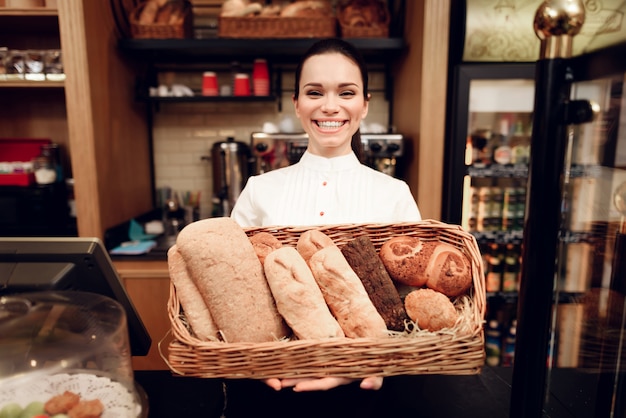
(330, 124)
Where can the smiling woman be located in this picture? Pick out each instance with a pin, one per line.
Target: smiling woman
(329, 185)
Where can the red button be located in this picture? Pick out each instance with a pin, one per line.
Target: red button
(324, 183)
(321, 213)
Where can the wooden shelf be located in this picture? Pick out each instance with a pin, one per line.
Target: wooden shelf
(39, 11)
(31, 84)
(220, 50)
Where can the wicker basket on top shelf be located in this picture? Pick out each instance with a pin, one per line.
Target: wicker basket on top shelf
(364, 19)
(278, 27)
(176, 25)
(458, 350)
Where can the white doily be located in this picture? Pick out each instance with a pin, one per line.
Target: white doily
(117, 399)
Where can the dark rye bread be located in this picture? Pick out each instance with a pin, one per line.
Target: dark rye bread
(363, 258)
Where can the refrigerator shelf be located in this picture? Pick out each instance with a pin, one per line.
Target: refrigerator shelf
(498, 170)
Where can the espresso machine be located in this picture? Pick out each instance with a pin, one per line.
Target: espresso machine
(383, 152)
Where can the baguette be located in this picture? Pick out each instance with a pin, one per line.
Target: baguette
(229, 276)
(298, 298)
(193, 305)
(311, 241)
(345, 295)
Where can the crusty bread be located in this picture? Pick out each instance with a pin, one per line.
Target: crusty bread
(430, 309)
(345, 295)
(448, 270)
(224, 266)
(196, 311)
(363, 258)
(311, 241)
(307, 8)
(264, 243)
(298, 297)
(405, 258)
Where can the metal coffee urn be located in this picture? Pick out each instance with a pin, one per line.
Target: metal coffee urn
(232, 163)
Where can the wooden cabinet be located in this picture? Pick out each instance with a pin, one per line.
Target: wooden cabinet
(92, 115)
(148, 285)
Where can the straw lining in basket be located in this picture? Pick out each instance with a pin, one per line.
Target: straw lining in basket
(458, 350)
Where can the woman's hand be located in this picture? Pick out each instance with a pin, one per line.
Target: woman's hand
(324, 383)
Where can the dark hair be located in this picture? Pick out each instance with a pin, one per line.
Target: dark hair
(327, 46)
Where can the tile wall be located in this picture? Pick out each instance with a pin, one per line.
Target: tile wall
(185, 132)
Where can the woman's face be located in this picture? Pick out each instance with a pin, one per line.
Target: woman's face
(331, 103)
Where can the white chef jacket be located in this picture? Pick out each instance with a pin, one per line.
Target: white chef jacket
(324, 191)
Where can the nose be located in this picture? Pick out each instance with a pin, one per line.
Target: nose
(331, 104)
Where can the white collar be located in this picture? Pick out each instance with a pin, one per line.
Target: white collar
(318, 163)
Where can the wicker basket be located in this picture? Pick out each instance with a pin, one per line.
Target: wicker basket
(183, 29)
(263, 27)
(458, 350)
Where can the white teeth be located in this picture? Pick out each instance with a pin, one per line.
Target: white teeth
(329, 124)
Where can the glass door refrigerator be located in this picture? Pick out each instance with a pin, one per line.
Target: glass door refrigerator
(486, 180)
(570, 358)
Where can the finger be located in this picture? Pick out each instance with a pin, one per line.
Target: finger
(273, 383)
(290, 382)
(372, 383)
(325, 383)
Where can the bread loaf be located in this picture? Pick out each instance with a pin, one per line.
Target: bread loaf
(196, 311)
(405, 258)
(448, 270)
(307, 8)
(345, 295)
(263, 244)
(311, 241)
(298, 297)
(224, 266)
(430, 309)
(363, 258)
(149, 12)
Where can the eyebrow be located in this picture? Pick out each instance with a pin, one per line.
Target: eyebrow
(340, 85)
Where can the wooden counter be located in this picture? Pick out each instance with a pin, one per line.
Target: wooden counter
(148, 285)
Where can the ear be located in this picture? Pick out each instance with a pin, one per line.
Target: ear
(366, 106)
(295, 104)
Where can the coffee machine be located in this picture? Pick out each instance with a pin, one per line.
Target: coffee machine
(383, 152)
(232, 165)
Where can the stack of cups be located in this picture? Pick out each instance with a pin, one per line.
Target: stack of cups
(242, 85)
(209, 84)
(260, 78)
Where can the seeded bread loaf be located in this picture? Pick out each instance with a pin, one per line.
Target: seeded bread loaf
(224, 266)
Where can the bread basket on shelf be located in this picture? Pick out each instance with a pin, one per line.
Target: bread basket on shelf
(172, 21)
(458, 350)
(363, 19)
(280, 27)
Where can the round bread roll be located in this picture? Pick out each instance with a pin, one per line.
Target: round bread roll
(264, 243)
(312, 241)
(448, 270)
(405, 259)
(430, 309)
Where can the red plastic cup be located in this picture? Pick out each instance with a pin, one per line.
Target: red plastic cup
(242, 84)
(209, 84)
(260, 78)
